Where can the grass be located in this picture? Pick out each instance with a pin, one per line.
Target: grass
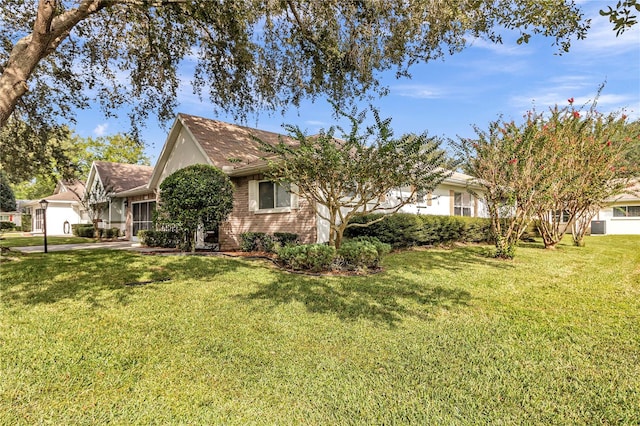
(18, 240)
(440, 337)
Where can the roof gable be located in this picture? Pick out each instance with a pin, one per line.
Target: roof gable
(229, 145)
(118, 177)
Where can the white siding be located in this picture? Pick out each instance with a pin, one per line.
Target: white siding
(184, 153)
(619, 225)
(440, 203)
(57, 215)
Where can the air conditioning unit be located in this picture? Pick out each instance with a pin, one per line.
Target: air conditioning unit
(598, 227)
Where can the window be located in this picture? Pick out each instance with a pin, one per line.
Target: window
(39, 219)
(142, 216)
(461, 204)
(272, 195)
(561, 217)
(626, 211)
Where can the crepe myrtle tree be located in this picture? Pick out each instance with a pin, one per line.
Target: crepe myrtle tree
(195, 196)
(506, 163)
(599, 158)
(567, 162)
(363, 171)
(587, 151)
(58, 56)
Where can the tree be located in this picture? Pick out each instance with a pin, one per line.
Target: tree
(562, 165)
(36, 179)
(606, 141)
(59, 55)
(94, 202)
(29, 151)
(195, 196)
(365, 171)
(7, 199)
(507, 165)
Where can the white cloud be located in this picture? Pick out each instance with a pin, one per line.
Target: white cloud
(602, 41)
(509, 48)
(100, 129)
(419, 91)
(316, 123)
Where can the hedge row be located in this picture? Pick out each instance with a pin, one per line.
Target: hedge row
(261, 241)
(407, 230)
(164, 239)
(7, 225)
(86, 230)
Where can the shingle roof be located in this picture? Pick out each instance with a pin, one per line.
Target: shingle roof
(71, 186)
(231, 145)
(118, 177)
(63, 196)
(631, 193)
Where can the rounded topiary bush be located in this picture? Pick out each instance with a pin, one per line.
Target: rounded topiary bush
(307, 257)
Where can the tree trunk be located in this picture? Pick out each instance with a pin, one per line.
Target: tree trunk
(49, 31)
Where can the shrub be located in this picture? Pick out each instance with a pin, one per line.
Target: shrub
(26, 223)
(406, 230)
(164, 239)
(477, 230)
(308, 257)
(82, 230)
(382, 248)
(7, 225)
(286, 238)
(110, 232)
(361, 254)
(399, 230)
(256, 241)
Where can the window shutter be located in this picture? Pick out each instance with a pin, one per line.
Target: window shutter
(294, 197)
(253, 195)
(452, 196)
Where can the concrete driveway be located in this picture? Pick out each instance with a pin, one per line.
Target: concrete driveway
(113, 245)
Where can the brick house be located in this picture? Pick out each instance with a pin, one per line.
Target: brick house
(259, 205)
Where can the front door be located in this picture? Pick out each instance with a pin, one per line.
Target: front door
(142, 217)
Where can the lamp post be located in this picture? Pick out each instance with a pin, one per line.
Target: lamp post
(43, 205)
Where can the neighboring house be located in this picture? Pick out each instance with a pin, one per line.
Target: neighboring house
(259, 205)
(621, 216)
(14, 217)
(64, 209)
(110, 189)
(450, 198)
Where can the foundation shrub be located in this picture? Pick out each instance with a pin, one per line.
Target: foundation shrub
(164, 239)
(307, 257)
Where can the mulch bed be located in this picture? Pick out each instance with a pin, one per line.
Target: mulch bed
(263, 255)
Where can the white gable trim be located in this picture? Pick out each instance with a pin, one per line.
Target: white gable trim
(93, 175)
(168, 148)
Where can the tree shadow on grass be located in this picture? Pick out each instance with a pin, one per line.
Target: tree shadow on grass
(426, 260)
(388, 297)
(381, 298)
(97, 275)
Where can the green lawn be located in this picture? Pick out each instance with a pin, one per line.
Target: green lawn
(440, 337)
(17, 240)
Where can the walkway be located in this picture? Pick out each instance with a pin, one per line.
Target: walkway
(113, 245)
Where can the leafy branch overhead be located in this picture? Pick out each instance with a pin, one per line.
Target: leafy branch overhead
(365, 170)
(622, 17)
(57, 55)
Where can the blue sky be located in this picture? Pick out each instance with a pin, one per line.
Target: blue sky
(446, 97)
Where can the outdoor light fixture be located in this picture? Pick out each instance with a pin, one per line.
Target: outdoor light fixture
(43, 205)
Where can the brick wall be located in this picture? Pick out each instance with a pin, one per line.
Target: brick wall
(301, 221)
